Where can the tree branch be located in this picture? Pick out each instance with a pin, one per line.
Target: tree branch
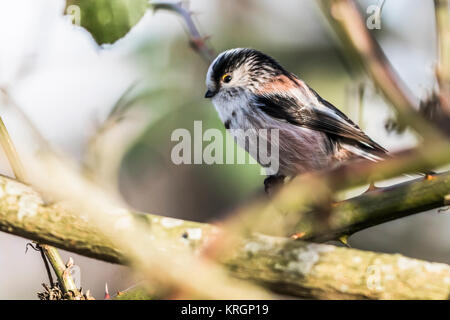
(349, 25)
(376, 207)
(197, 42)
(286, 266)
(62, 272)
(11, 152)
(328, 272)
(442, 9)
(288, 208)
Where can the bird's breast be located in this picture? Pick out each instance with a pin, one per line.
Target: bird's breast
(233, 112)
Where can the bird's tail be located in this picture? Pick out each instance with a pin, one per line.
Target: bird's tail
(376, 156)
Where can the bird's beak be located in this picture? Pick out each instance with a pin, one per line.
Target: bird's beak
(210, 94)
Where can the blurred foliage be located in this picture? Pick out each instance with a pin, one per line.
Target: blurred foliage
(107, 20)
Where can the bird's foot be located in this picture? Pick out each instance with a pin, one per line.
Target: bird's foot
(272, 183)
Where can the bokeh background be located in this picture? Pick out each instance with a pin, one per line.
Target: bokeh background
(67, 85)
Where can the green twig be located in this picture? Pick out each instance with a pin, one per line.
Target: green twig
(379, 206)
(62, 271)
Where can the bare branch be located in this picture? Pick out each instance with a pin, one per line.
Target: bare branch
(379, 206)
(196, 40)
(62, 272)
(361, 45)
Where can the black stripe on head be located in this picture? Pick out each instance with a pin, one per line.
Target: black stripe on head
(259, 63)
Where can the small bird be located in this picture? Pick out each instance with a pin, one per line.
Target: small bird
(251, 90)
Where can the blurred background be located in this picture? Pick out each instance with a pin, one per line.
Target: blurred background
(66, 85)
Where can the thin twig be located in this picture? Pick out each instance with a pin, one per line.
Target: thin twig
(196, 40)
(379, 206)
(46, 264)
(361, 45)
(62, 271)
(11, 152)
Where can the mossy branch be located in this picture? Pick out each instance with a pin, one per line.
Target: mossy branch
(329, 272)
(376, 207)
(62, 272)
(286, 266)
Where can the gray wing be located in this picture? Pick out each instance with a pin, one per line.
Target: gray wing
(322, 116)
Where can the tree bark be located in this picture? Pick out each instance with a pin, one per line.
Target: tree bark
(443, 71)
(286, 266)
(379, 206)
(329, 272)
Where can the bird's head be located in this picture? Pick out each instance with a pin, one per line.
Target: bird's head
(240, 69)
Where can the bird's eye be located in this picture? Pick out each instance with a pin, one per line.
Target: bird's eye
(226, 78)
